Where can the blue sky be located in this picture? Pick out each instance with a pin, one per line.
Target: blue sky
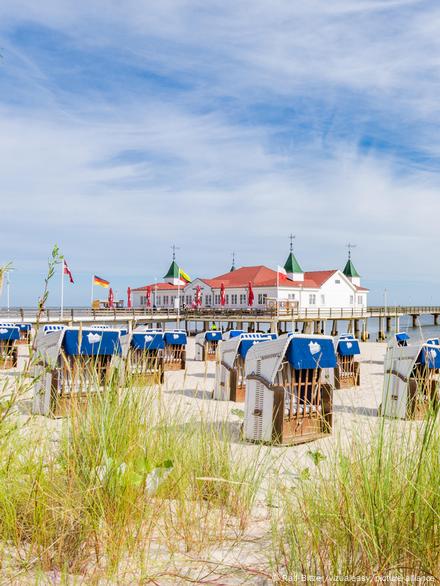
(220, 126)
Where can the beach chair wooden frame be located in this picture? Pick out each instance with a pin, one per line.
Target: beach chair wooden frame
(210, 350)
(286, 405)
(76, 380)
(206, 344)
(145, 367)
(174, 357)
(347, 373)
(302, 406)
(175, 351)
(8, 354)
(412, 380)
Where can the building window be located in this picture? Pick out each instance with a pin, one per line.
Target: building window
(242, 298)
(208, 299)
(165, 299)
(338, 281)
(262, 298)
(322, 299)
(234, 299)
(360, 300)
(227, 299)
(291, 296)
(158, 301)
(312, 299)
(351, 299)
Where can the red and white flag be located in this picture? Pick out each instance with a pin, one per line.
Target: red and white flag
(281, 272)
(67, 272)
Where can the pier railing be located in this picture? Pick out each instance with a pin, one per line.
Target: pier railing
(78, 314)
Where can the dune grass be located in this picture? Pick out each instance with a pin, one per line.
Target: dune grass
(372, 511)
(124, 479)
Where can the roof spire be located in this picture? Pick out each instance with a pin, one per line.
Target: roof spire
(291, 265)
(349, 269)
(173, 273)
(233, 261)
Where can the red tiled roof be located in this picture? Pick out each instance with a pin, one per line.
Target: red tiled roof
(159, 287)
(261, 276)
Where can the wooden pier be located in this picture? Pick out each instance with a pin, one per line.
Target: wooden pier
(307, 320)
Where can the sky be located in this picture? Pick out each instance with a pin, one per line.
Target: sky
(127, 127)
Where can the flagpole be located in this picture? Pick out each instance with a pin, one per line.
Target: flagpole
(8, 300)
(178, 304)
(278, 285)
(93, 283)
(62, 290)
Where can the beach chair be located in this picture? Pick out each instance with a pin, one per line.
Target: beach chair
(72, 364)
(230, 384)
(411, 379)
(142, 353)
(401, 338)
(347, 371)
(206, 345)
(175, 350)
(52, 328)
(289, 389)
(25, 333)
(232, 334)
(9, 338)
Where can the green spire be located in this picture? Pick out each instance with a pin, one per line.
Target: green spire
(292, 265)
(349, 270)
(173, 271)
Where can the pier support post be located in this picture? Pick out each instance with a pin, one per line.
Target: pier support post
(388, 324)
(436, 319)
(350, 326)
(414, 320)
(334, 331)
(381, 334)
(356, 328)
(365, 335)
(307, 327)
(316, 327)
(397, 323)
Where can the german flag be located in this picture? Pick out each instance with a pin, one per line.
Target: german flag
(100, 282)
(184, 276)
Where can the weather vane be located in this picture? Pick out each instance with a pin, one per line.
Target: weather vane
(233, 260)
(292, 238)
(350, 246)
(174, 248)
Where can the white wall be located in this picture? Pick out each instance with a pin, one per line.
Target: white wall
(341, 294)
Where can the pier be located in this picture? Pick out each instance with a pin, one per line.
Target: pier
(307, 321)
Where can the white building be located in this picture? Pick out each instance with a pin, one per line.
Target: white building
(310, 289)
